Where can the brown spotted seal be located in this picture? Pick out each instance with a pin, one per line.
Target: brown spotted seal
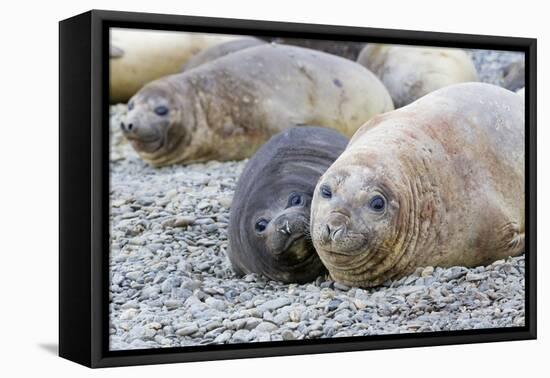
(221, 49)
(140, 56)
(410, 72)
(437, 183)
(226, 109)
(269, 220)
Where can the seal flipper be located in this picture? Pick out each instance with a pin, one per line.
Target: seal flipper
(512, 239)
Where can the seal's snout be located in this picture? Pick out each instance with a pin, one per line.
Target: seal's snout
(336, 228)
(283, 226)
(126, 127)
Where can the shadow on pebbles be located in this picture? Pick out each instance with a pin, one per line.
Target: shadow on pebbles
(171, 284)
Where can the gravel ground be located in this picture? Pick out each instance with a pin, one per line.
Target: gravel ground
(171, 284)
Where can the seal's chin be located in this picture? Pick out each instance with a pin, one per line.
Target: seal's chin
(149, 145)
(295, 250)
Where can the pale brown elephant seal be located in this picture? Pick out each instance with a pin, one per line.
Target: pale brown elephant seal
(226, 109)
(410, 72)
(269, 220)
(140, 56)
(222, 49)
(437, 183)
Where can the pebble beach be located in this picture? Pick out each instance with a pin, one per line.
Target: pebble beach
(171, 284)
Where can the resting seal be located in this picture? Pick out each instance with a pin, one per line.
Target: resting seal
(226, 109)
(437, 183)
(222, 49)
(514, 76)
(140, 56)
(410, 72)
(269, 219)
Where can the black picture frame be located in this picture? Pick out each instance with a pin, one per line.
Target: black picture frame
(84, 188)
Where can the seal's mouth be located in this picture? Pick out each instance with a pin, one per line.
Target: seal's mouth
(148, 144)
(292, 241)
(347, 252)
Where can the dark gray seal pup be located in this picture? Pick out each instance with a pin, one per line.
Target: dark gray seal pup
(269, 219)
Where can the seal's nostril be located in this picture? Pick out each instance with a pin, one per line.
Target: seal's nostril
(122, 126)
(338, 233)
(284, 228)
(130, 126)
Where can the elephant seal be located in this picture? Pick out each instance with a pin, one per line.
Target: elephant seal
(514, 76)
(269, 218)
(226, 109)
(140, 56)
(222, 49)
(410, 72)
(437, 183)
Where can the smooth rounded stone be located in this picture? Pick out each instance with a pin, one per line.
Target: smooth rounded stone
(173, 303)
(187, 330)
(282, 318)
(288, 335)
(184, 221)
(131, 304)
(223, 338)
(251, 323)
(273, 304)
(129, 314)
(266, 327)
(475, 276)
(134, 276)
(241, 336)
(427, 271)
(170, 284)
(215, 303)
(333, 304)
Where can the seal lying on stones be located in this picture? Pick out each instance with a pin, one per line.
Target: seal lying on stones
(437, 183)
(222, 49)
(514, 76)
(410, 72)
(140, 56)
(269, 219)
(226, 109)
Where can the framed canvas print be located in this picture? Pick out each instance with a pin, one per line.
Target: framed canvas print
(234, 188)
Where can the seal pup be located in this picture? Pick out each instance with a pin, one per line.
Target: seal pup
(221, 49)
(410, 72)
(269, 218)
(140, 56)
(439, 182)
(226, 109)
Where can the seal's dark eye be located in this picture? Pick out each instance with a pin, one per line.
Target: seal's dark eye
(161, 110)
(130, 105)
(261, 225)
(377, 203)
(295, 199)
(325, 191)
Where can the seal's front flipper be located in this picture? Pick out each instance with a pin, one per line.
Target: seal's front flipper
(512, 239)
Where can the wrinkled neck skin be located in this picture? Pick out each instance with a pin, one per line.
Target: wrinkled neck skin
(178, 141)
(409, 238)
